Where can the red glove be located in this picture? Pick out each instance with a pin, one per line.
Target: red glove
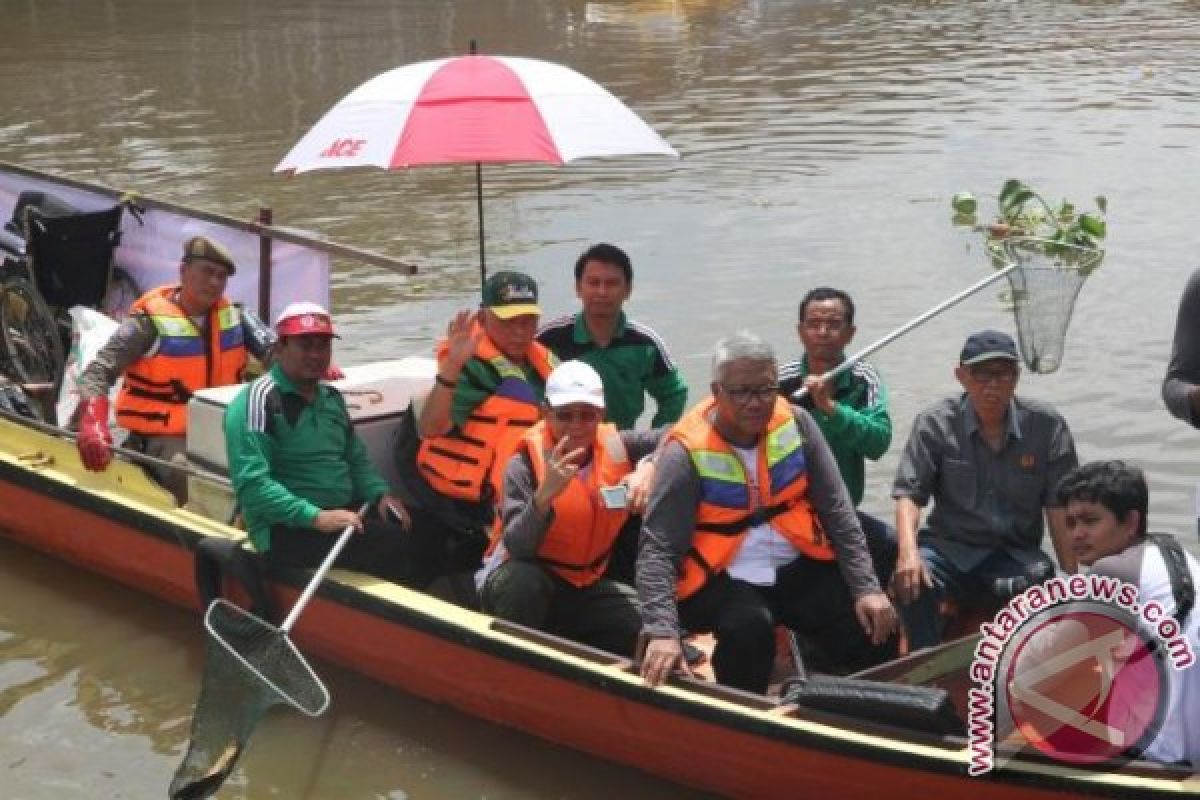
(334, 373)
(95, 440)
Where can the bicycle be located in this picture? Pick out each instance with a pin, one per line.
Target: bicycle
(30, 342)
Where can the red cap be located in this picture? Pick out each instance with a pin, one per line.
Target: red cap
(301, 319)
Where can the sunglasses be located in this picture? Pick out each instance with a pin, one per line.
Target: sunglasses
(569, 415)
(744, 394)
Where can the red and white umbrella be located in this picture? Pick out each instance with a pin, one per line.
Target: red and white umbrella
(473, 109)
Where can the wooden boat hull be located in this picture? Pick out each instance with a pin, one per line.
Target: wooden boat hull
(118, 524)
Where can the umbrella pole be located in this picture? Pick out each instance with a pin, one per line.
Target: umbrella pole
(479, 209)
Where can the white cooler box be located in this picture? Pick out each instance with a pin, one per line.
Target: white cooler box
(376, 395)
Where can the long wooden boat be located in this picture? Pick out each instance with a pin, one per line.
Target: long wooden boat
(120, 524)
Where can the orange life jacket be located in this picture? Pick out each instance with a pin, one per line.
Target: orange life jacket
(729, 507)
(580, 538)
(460, 463)
(153, 399)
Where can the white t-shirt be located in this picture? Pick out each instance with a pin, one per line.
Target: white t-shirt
(763, 550)
(1179, 738)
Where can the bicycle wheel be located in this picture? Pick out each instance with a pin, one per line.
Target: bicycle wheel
(33, 347)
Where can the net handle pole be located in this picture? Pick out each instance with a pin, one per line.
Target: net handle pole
(319, 575)
(887, 339)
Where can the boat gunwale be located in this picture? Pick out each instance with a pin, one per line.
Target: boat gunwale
(828, 732)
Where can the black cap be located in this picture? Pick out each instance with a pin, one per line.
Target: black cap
(986, 346)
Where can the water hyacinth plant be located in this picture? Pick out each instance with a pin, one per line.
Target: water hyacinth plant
(1068, 238)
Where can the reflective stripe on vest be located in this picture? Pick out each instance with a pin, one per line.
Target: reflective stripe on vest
(153, 399)
(727, 510)
(581, 535)
(459, 464)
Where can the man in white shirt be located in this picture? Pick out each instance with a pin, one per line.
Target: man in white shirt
(1106, 504)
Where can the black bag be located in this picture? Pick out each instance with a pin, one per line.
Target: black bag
(921, 708)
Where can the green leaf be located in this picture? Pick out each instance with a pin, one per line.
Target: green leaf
(1093, 224)
(1015, 203)
(964, 220)
(1010, 187)
(964, 203)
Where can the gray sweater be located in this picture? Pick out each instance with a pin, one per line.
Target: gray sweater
(1183, 370)
(671, 521)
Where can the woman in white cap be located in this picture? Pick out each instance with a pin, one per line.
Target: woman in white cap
(568, 491)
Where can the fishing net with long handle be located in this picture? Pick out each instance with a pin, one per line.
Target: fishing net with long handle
(1045, 284)
(1044, 277)
(250, 667)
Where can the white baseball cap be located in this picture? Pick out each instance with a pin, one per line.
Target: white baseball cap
(574, 382)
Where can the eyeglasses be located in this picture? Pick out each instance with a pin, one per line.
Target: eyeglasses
(566, 415)
(1001, 375)
(744, 394)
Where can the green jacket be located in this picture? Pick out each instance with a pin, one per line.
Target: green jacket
(635, 363)
(859, 427)
(290, 459)
(479, 381)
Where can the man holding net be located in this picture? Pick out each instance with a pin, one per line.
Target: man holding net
(990, 462)
(299, 468)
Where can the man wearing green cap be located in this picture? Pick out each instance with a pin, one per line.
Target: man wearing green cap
(488, 390)
(177, 339)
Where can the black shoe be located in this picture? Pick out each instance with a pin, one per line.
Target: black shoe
(1009, 587)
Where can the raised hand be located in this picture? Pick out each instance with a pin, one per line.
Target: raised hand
(561, 467)
(462, 338)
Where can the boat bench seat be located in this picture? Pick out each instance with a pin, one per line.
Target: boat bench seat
(569, 646)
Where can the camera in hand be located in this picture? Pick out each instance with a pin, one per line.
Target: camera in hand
(615, 497)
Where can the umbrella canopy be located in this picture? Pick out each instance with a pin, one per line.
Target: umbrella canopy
(473, 109)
